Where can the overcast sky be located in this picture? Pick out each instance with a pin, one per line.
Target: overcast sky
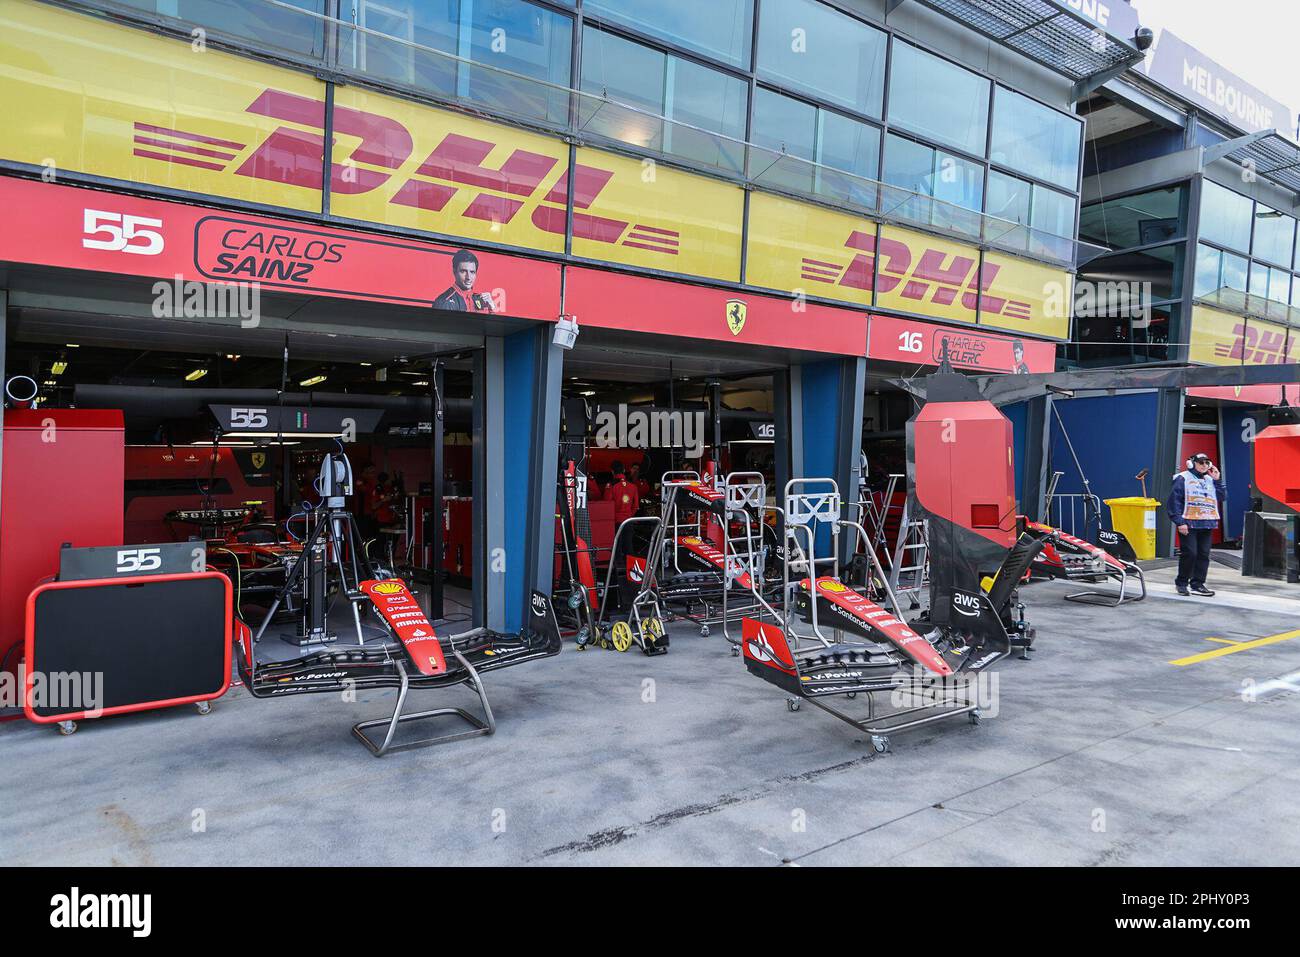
(1255, 39)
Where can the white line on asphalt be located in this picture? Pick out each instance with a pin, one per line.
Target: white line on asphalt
(1232, 599)
(1282, 683)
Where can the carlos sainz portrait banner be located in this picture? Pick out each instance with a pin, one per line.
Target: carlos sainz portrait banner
(76, 228)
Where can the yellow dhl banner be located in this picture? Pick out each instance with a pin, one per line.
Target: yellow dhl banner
(84, 95)
(796, 247)
(927, 275)
(1025, 296)
(117, 102)
(641, 213)
(1225, 339)
(404, 164)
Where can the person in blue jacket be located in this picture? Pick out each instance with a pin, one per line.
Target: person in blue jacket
(1194, 507)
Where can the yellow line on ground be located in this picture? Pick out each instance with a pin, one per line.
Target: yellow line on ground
(1224, 641)
(1234, 648)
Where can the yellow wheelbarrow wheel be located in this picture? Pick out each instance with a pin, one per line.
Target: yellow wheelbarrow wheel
(652, 629)
(621, 636)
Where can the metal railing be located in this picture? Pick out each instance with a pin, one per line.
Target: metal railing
(404, 65)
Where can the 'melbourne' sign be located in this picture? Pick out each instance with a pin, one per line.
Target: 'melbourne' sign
(1189, 72)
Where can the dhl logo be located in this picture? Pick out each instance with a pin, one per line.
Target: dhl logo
(293, 155)
(1253, 346)
(935, 276)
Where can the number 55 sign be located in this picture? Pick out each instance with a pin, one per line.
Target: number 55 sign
(118, 232)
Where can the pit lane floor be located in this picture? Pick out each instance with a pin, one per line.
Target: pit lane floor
(1101, 752)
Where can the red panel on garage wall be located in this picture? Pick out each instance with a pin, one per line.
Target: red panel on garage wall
(75, 228)
(924, 343)
(640, 304)
(62, 482)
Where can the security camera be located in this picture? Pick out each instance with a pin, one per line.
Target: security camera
(566, 332)
(1143, 38)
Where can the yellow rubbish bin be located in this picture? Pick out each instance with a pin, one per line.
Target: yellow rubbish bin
(1135, 518)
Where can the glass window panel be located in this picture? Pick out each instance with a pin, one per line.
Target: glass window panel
(262, 23)
(519, 38)
(1279, 285)
(627, 71)
(849, 144)
(404, 42)
(938, 99)
(1052, 219)
(716, 28)
(1008, 200)
(1259, 280)
(930, 172)
(1138, 220)
(783, 123)
(1160, 267)
(810, 47)
(1209, 264)
(958, 181)
(1035, 139)
(854, 147)
(714, 102)
(1274, 234)
(660, 84)
(1225, 216)
(1233, 273)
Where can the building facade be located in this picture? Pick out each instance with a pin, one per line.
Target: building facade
(808, 198)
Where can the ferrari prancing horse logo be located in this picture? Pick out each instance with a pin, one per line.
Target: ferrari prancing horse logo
(259, 459)
(736, 309)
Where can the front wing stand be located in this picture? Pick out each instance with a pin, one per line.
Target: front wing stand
(477, 726)
(1109, 599)
(882, 726)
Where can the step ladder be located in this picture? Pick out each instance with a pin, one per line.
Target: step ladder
(909, 566)
(880, 535)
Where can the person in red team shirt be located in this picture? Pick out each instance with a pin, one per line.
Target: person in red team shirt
(623, 494)
(643, 489)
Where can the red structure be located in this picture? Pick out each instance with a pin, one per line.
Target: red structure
(62, 482)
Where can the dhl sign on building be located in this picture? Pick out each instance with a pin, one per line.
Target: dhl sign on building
(95, 98)
(1227, 339)
(845, 257)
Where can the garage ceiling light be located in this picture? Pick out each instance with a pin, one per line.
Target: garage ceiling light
(272, 435)
(196, 375)
(312, 380)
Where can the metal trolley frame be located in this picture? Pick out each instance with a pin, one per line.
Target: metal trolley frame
(813, 504)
